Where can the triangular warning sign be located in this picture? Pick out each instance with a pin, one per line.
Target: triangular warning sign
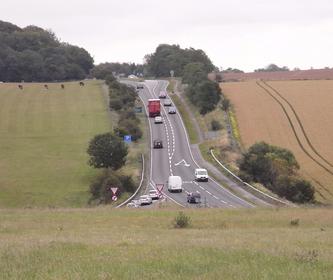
(114, 190)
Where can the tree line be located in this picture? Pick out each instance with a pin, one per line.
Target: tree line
(107, 151)
(34, 54)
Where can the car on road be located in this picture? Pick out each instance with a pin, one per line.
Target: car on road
(158, 144)
(145, 200)
(194, 197)
(167, 102)
(201, 174)
(175, 184)
(154, 194)
(158, 119)
(162, 94)
(133, 204)
(172, 110)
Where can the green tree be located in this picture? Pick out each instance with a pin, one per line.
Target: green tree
(107, 151)
(172, 57)
(204, 95)
(194, 73)
(295, 189)
(277, 169)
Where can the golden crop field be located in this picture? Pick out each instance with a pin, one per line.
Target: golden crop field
(296, 115)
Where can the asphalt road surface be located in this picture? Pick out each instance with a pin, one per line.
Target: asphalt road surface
(176, 158)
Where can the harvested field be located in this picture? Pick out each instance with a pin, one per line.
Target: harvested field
(293, 114)
(313, 74)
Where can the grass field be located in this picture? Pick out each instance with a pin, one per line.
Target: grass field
(263, 113)
(44, 137)
(101, 243)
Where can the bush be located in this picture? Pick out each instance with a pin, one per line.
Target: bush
(294, 222)
(225, 104)
(129, 127)
(100, 187)
(276, 168)
(216, 125)
(107, 150)
(115, 104)
(182, 221)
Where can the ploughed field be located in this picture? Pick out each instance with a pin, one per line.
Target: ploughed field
(297, 115)
(44, 137)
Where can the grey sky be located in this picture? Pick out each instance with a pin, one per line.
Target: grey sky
(242, 34)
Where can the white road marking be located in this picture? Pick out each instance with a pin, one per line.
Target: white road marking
(208, 192)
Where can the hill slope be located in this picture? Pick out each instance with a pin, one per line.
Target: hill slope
(44, 137)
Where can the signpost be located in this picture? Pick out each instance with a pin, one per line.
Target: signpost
(128, 139)
(159, 188)
(114, 191)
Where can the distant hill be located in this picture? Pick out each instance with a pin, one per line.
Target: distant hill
(313, 74)
(34, 54)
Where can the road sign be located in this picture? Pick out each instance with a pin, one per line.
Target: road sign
(114, 198)
(159, 188)
(114, 190)
(127, 139)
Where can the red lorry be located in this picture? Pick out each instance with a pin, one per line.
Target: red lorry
(154, 107)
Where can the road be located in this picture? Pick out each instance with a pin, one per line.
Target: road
(176, 159)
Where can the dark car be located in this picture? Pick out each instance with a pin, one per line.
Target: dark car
(194, 197)
(158, 144)
(140, 87)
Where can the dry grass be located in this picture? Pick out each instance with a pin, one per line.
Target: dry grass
(102, 243)
(261, 118)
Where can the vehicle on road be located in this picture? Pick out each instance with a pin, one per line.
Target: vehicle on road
(194, 197)
(172, 110)
(162, 94)
(145, 200)
(139, 87)
(167, 102)
(175, 184)
(133, 204)
(154, 194)
(154, 107)
(158, 119)
(201, 174)
(157, 144)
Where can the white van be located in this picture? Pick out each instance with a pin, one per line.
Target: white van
(175, 184)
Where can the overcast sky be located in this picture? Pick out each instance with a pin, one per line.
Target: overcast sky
(240, 34)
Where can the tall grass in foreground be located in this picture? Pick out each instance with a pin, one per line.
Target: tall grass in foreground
(102, 243)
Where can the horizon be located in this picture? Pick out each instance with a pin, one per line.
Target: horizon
(246, 36)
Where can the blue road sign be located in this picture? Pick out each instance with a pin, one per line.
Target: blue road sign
(127, 138)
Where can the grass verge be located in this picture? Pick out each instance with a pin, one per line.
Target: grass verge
(186, 118)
